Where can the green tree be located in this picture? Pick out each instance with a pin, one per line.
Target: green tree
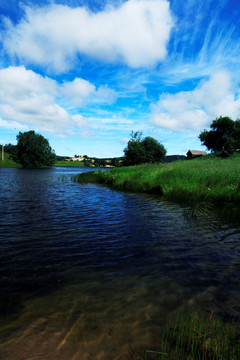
(34, 151)
(224, 136)
(140, 151)
(12, 150)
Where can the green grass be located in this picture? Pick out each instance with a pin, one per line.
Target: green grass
(68, 163)
(198, 337)
(8, 163)
(207, 180)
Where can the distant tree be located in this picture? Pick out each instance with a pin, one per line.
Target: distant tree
(136, 135)
(154, 151)
(224, 136)
(99, 162)
(12, 150)
(87, 162)
(118, 162)
(140, 151)
(34, 151)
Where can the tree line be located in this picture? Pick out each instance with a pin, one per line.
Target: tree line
(223, 138)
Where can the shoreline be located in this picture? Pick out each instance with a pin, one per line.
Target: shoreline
(208, 181)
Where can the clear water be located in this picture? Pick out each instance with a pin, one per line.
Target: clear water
(91, 273)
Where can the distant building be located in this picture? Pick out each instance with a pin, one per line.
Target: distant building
(195, 153)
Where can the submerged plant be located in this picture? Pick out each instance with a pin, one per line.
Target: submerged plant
(198, 337)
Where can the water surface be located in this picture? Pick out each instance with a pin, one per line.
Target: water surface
(91, 273)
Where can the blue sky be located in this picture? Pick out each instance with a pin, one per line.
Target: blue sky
(85, 73)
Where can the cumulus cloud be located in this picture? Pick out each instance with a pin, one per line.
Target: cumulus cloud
(195, 110)
(135, 33)
(77, 90)
(29, 100)
(80, 90)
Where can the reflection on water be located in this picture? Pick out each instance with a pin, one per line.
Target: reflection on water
(89, 273)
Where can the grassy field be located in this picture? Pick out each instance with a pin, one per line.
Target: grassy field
(68, 163)
(209, 180)
(8, 163)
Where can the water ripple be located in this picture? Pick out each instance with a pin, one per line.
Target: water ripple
(136, 249)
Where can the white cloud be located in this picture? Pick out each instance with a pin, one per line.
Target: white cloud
(80, 122)
(12, 125)
(105, 95)
(30, 101)
(28, 98)
(194, 110)
(77, 90)
(111, 123)
(136, 33)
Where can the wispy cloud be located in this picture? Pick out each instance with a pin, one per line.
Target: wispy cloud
(203, 41)
(124, 140)
(13, 125)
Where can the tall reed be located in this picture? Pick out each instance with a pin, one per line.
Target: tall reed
(198, 337)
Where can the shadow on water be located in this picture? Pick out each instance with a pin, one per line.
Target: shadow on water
(90, 273)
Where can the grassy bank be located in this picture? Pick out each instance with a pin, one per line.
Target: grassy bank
(68, 163)
(208, 179)
(8, 163)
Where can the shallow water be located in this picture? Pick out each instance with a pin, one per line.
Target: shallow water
(91, 273)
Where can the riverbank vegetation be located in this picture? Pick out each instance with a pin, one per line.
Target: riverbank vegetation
(206, 336)
(68, 163)
(89, 161)
(205, 180)
(61, 161)
(8, 162)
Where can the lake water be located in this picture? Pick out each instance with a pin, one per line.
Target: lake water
(91, 273)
